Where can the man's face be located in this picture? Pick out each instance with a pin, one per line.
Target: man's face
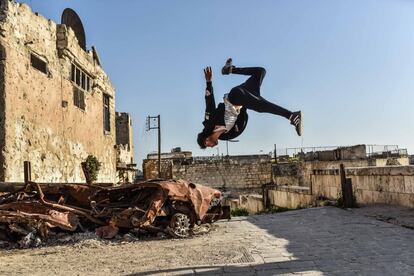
(211, 141)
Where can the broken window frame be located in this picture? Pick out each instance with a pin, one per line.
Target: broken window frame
(79, 98)
(38, 63)
(106, 112)
(80, 78)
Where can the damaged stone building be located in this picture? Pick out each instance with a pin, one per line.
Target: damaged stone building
(125, 148)
(57, 104)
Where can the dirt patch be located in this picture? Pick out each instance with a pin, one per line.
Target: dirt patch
(93, 256)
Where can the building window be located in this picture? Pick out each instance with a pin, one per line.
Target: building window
(38, 63)
(80, 78)
(79, 98)
(106, 113)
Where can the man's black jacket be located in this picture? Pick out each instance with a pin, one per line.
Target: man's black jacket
(215, 116)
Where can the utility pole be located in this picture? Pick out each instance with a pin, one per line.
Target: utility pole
(152, 119)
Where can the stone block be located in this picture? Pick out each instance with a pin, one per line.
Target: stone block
(409, 184)
(395, 184)
(367, 197)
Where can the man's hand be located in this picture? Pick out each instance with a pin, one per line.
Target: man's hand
(208, 73)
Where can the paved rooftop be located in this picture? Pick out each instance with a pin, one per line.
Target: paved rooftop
(318, 241)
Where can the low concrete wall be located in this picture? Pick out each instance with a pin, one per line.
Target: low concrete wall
(299, 173)
(291, 197)
(392, 185)
(326, 184)
(387, 185)
(252, 203)
(401, 161)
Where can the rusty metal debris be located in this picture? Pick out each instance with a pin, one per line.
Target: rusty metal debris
(34, 213)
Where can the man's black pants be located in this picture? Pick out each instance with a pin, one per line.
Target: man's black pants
(248, 93)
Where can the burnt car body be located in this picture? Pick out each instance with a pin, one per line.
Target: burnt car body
(169, 206)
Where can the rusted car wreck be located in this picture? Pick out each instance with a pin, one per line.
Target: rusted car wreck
(35, 212)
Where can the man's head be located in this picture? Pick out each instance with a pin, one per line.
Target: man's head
(207, 139)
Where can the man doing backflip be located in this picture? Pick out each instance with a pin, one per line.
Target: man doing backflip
(229, 119)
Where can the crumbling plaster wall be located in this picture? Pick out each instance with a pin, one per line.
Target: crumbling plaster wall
(38, 126)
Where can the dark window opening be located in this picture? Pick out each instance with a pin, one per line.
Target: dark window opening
(79, 98)
(107, 123)
(83, 84)
(2, 53)
(38, 63)
(77, 77)
(88, 84)
(73, 73)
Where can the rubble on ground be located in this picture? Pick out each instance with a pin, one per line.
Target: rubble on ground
(39, 214)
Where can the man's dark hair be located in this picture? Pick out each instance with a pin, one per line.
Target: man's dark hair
(202, 136)
(201, 139)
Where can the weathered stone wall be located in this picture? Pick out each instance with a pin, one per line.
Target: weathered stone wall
(2, 111)
(291, 198)
(400, 161)
(150, 169)
(150, 165)
(124, 136)
(236, 174)
(251, 202)
(3, 15)
(340, 153)
(124, 154)
(386, 185)
(299, 173)
(42, 124)
(126, 170)
(327, 184)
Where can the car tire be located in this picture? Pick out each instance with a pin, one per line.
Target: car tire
(180, 225)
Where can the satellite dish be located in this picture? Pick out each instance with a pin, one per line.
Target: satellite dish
(71, 19)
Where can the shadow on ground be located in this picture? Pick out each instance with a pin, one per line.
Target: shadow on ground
(321, 241)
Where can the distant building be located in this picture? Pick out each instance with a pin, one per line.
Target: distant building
(168, 160)
(126, 168)
(57, 104)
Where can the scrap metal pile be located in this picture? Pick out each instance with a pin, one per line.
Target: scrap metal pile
(36, 212)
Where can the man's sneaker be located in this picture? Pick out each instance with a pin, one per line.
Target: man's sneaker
(228, 67)
(296, 119)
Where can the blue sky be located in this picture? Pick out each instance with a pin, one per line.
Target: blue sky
(348, 65)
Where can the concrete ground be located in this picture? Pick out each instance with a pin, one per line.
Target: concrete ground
(392, 214)
(318, 241)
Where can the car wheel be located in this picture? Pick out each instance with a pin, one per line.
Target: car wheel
(180, 225)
